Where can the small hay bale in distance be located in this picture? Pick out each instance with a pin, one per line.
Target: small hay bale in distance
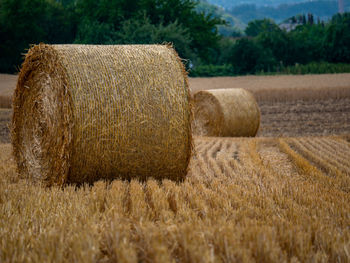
(89, 112)
(226, 113)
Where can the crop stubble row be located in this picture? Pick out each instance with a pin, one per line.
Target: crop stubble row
(243, 200)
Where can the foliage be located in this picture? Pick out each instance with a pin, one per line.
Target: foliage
(269, 49)
(232, 26)
(212, 71)
(24, 22)
(307, 43)
(256, 27)
(248, 57)
(191, 26)
(279, 43)
(337, 39)
(317, 68)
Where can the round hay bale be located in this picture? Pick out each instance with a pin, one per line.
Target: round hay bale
(226, 112)
(89, 112)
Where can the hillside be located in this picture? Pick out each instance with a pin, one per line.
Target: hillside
(278, 10)
(228, 4)
(234, 25)
(321, 9)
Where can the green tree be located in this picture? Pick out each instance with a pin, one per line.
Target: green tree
(201, 27)
(279, 43)
(143, 32)
(306, 43)
(94, 32)
(248, 57)
(256, 27)
(102, 16)
(25, 22)
(337, 39)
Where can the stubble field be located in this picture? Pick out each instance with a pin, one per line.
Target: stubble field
(281, 197)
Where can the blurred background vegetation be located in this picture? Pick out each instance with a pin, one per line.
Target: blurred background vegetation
(212, 40)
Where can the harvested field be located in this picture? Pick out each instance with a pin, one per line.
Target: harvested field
(302, 105)
(291, 87)
(282, 87)
(244, 200)
(294, 118)
(305, 117)
(285, 111)
(283, 199)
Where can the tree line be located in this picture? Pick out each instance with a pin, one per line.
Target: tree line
(263, 48)
(25, 22)
(267, 48)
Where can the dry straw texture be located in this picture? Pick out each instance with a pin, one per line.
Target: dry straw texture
(226, 112)
(84, 112)
(283, 200)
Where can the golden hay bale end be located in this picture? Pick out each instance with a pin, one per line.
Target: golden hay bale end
(226, 112)
(89, 112)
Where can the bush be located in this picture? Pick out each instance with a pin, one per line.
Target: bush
(248, 57)
(317, 68)
(212, 71)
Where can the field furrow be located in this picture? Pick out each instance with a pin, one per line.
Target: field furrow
(340, 144)
(324, 158)
(244, 199)
(330, 154)
(293, 192)
(335, 176)
(338, 149)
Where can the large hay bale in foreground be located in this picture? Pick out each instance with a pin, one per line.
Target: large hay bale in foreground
(226, 112)
(85, 112)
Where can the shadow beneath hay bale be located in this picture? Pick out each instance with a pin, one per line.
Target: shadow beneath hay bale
(5, 102)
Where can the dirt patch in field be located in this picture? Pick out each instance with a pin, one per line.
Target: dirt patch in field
(7, 84)
(303, 118)
(293, 105)
(5, 117)
(286, 104)
(293, 118)
(272, 82)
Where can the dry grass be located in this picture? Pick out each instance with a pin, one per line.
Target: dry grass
(244, 200)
